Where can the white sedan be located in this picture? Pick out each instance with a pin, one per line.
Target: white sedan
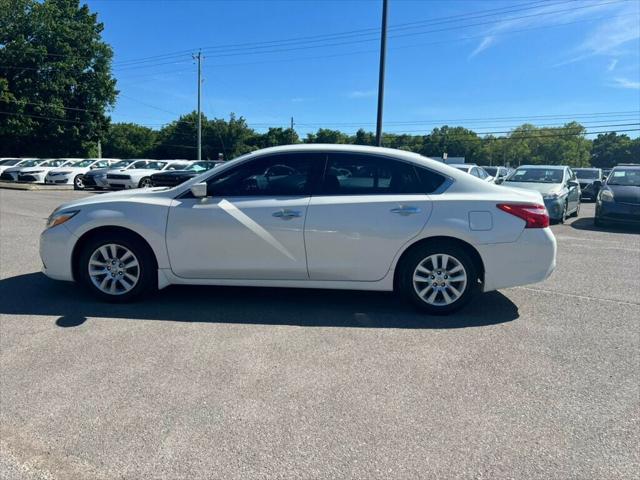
(139, 174)
(476, 171)
(37, 174)
(7, 163)
(10, 173)
(313, 216)
(73, 174)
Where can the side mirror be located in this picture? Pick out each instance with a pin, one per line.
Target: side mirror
(199, 190)
(572, 183)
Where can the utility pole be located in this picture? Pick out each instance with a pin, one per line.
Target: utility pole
(292, 132)
(99, 149)
(383, 54)
(199, 58)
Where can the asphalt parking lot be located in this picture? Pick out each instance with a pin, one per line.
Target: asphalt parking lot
(533, 382)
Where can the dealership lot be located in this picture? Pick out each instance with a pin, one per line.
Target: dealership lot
(532, 382)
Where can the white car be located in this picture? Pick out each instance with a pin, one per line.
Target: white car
(139, 175)
(97, 178)
(73, 174)
(10, 172)
(12, 162)
(37, 174)
(311, 216)
(475, 170)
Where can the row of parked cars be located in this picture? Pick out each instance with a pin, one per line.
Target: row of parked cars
(101, 173)
(616, 191)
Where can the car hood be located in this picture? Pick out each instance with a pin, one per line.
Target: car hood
(69, 169)
(36, 169)
(176, 173)
(136, 171)
(115, 197)
(625, 193)
(98, 171)
(543, 188)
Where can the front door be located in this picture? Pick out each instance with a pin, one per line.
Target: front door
(366, 209)
(251, 224)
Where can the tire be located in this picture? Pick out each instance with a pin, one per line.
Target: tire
(78, 183)
(422, 258)
(139, 264)
(563, 217)
(145, 182)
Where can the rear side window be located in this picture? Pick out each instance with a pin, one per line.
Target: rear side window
(358, 174)
(430, 180)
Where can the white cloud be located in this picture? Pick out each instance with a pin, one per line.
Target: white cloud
(612, 65)
(484, 44)
(621, 82)
(362, 93)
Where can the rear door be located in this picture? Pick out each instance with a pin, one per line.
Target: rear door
(367, 207)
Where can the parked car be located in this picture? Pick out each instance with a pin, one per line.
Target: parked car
(605, 173)
(12, 162)
(38, 173)
(498, 173)
(409, 223)
(139, 176)
(97, 178)
(474, 170)
(172, 178)
(73, 174)
(10, 174)
(557, 184)
(619, 197)
(590, 180)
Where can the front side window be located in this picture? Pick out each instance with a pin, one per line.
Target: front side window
(273, 175)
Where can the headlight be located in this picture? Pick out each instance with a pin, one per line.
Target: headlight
(58, 218)
(606, 196)
(550, 196)
(33, 171)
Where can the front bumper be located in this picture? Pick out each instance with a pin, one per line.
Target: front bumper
(618, 212)
(56, 248)
(122, 184)
(555, 207)
(9, 176)
(530, 259)
(31, 177)
(58, 180)
(92, 181)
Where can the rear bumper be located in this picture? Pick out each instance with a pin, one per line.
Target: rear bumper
(530, 259)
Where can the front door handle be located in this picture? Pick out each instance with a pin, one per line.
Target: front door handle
(405, 210)
(285, 214)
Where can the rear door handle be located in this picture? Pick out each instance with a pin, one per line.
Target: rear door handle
(285, 214)
(405, 210)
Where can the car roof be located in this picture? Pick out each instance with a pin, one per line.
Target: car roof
(632, 166)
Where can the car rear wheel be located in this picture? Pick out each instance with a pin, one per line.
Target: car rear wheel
(117, 268)
(438, 279)
(145, 182)
(78, 183)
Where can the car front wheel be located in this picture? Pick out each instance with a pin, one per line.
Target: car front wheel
(118, 268)
(78, 183)
(145, 182)
(438, 279)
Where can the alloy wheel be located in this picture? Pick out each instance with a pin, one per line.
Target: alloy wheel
(440, 279)
(114, 269)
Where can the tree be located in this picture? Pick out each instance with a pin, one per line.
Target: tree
(326, 135)
(610, 149)
(128, 140)
(454, 141)
(275, 137)
(55, 78)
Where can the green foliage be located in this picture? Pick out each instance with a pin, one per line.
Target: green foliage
(128, 140)
(326, 135)
(55, 78)
(610, 148)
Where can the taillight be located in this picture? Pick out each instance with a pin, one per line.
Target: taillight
(535, 216)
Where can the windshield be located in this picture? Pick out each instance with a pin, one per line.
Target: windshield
(149, 165)
(464, 168)
(537, 175)
(625, 176)
(491, 170)
(30, 163)
(84, 163)
(587, 173)
(53, 163)
(200, 166)
(177, 166)
(13, 161)
(122, 164)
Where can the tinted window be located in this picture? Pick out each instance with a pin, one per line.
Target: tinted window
(429, 179)
(281, 175)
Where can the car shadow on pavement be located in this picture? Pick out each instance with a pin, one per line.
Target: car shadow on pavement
(588, 225)
(35, 294)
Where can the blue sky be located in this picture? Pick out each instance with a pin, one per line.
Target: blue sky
(486, 65)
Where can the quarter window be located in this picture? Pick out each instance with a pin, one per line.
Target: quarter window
(273, 175)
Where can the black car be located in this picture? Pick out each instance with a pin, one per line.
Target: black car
(590, 182)
(619, 198)
(176, 177)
